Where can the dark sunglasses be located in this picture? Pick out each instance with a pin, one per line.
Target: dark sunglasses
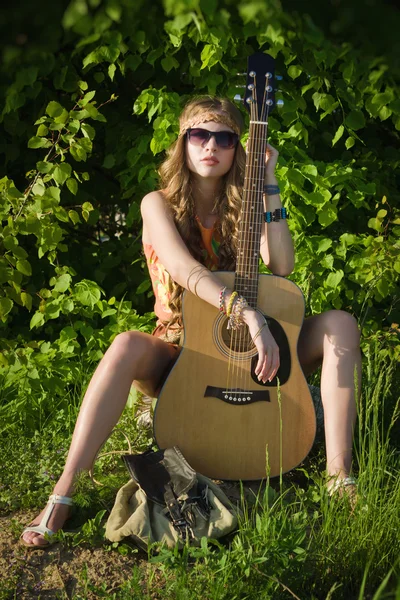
(224, 139)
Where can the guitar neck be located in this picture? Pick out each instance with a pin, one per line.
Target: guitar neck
(246, 276)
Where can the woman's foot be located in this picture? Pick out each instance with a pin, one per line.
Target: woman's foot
(60, 513)
(343, 486)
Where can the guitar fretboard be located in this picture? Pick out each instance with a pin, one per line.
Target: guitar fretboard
(246, 276)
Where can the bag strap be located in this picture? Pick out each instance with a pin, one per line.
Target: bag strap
(180, 523)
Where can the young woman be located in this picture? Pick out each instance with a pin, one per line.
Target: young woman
(190, 228)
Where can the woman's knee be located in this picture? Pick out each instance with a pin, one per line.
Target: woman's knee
(128, 343)
(344, 327)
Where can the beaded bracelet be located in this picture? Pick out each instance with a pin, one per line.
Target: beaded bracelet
(235, 319)
(271, 190)
(276, 216)
(221, 299)
(230, 303)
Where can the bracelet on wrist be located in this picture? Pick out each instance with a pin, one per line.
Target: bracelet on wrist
(236, 317)
(230, 303)
(271, 190)
(222, 299)
(276, 215)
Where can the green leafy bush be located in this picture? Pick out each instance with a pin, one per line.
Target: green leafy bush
(88, 112)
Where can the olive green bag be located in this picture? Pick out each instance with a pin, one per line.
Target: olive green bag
(167, 501)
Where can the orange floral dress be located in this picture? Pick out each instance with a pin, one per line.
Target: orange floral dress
(160, 277)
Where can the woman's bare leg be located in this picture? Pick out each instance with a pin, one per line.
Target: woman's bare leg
(133, 355)
(333, 338)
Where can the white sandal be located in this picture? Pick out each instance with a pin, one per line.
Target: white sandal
(341, 483)
(42, 527)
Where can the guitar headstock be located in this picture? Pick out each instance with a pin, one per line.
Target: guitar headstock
(259, 96)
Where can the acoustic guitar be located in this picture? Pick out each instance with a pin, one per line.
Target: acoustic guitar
(227, 424)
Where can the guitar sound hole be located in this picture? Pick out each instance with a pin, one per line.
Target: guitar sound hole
(237, 340)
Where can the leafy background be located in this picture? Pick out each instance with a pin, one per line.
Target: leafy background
(91, 91)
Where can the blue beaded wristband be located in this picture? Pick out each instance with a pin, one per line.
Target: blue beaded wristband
(277, 215)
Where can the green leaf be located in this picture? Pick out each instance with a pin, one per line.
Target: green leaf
(42, 130)
(132, 61)
(109, 161)
(26, 300)
(72, 185)
(39, 188)
(77, 152)
(87, 292)
(334, 279)
(324, 245)
(348, 72)
(74, 216)
(355, 120)
(375, 224)
(37, 320)
(169, 63)
(382, 286)
(88, 131)
(111, 71)
(62, 172)
(143, 287)
(63, 282)
(24, 267)
(294, 71)
(5, 306)
(54, 109)
(44, 166)
(338, 134)
(327, 215)
(349, 143)
(38, 142)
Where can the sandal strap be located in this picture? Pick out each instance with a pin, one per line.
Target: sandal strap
(342, 483)
(52, 501)
(39, 529)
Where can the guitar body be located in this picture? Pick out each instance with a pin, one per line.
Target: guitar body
(227, 424)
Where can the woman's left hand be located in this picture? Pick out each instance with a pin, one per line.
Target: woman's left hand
(271, 158)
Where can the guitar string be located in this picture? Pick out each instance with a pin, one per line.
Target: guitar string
(234, 346)
(248, 225)
(252, 241)
(249, 244)
(243, 331)
(259, 146)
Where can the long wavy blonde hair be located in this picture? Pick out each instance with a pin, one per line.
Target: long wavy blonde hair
(176, 184)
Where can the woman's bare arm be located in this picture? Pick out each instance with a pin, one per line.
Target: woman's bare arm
(173, 253)
(276, 249)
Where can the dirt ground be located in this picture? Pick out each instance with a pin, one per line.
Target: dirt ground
(57, 572)
(61, 572)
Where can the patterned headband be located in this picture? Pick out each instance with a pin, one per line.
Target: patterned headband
(210, 116)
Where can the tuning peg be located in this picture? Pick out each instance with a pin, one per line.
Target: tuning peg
(280, 103)
(238, 98)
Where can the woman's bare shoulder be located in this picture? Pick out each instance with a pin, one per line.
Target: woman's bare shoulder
(154, 208)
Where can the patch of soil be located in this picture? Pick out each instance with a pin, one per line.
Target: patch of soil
(59, 571)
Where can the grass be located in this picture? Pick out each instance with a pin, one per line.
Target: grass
(294, 542)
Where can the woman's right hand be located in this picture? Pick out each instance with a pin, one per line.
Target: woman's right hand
(268, 350)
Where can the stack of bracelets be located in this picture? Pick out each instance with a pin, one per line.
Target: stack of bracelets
(236, 304)
(234, 311)
(278, 213)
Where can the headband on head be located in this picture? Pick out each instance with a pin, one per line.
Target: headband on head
(210, 116)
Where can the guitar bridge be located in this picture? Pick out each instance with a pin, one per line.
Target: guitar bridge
(237, 396)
